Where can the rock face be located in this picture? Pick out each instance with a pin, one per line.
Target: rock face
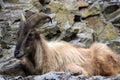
(60, 76)
(105, 30)
(80, 22)
(91, 14)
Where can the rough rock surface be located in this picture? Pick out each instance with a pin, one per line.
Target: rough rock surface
(76, 21)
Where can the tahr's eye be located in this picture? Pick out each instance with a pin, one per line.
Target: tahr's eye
(31, 34)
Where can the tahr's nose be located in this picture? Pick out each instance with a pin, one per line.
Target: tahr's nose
(17, 54)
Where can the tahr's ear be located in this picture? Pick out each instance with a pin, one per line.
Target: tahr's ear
(23, 19)
(23, 22)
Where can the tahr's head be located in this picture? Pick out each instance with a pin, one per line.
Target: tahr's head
(27, 34)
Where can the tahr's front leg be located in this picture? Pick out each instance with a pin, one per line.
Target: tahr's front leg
(28, 67)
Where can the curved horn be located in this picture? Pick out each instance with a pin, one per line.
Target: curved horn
(35, 18)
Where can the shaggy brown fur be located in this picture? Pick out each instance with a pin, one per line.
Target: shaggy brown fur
(62, 56)
(41, 56)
